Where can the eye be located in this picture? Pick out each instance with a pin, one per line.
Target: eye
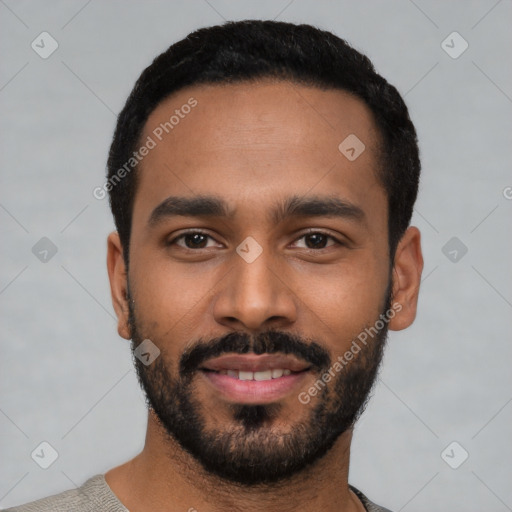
(318, 240)
(192, 240)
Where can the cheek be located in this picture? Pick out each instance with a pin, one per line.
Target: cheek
(170, 297)
(348, 299)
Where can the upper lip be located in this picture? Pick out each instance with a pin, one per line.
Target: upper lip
(255, 363)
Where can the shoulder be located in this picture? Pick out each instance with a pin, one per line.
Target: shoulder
(368, 505)
(93, 495)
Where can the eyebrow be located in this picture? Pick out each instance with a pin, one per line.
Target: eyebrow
(294, 206)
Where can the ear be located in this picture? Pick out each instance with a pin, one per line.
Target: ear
(118, 283)
(407, 270)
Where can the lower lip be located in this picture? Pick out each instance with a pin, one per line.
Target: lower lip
(254, 391)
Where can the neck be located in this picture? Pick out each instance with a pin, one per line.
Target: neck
(165, 477)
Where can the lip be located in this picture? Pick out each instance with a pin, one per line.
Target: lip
(252, 391)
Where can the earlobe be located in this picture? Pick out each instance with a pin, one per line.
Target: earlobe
(407, 269)
(118, 283)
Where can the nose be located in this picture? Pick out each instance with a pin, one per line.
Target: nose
(255, 296)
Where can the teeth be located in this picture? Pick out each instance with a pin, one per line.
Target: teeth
(276, 373)
(265, 375)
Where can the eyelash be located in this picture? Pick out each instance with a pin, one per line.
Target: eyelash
(309, 233)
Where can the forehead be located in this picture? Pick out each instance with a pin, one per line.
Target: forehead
(251, 141)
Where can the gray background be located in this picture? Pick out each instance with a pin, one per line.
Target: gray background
(67, 377)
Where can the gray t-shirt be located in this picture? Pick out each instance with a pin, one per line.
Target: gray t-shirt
(96, 496)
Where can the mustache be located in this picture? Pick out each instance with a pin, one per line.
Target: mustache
(269, 342)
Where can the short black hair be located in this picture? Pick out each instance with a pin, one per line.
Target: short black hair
(250, 50)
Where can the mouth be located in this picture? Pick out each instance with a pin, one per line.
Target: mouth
(261, 375)
(252, 379)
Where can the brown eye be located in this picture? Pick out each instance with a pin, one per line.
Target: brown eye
(192, 240)
(318, 240)
(195, 240)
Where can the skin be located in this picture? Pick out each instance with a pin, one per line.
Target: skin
(255, 144)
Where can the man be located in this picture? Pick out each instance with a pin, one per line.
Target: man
(262, 178)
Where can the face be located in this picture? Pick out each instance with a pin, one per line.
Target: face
(258, 258)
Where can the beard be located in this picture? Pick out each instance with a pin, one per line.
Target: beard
(250, 449)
